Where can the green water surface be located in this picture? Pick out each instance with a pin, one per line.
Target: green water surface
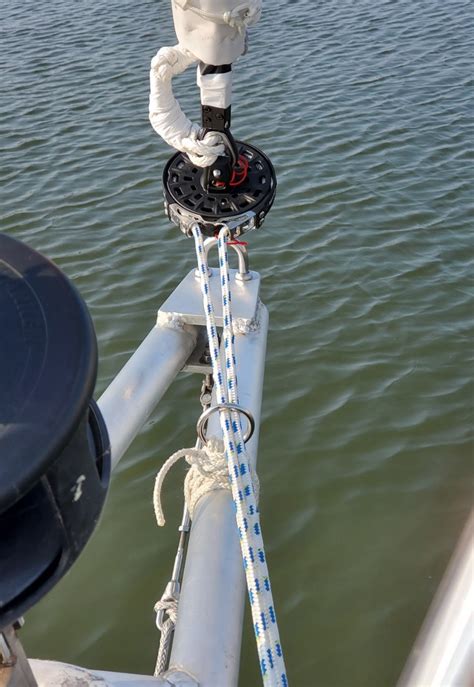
(366, 443)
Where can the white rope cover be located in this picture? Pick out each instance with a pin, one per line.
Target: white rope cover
(167, 117)
(240, 17)
(247, 514)
(216, 89)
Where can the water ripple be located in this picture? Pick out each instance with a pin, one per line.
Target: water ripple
(366, 111)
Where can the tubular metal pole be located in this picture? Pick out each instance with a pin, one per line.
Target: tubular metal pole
(15, 670)
(133, 394)
(56, 674)
(208, 631)
(443, 655)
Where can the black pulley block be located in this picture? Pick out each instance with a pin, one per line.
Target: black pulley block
(54, 448)
(196, 195)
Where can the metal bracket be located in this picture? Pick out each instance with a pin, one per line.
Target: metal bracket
(244, 273)
(238, 225)
(7, 657)
(186, 299)
(200, 359)
(15, 671)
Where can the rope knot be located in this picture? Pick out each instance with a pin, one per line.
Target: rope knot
(168, 607)
(209, 460)
(208, 471)
(166, 610)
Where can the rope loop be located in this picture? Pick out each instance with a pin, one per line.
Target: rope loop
(208, 471)
(166, 115)
(166, 610)
(166, 606)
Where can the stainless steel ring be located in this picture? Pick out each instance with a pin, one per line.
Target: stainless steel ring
(204, 417)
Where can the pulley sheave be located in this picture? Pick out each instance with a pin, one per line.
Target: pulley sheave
(241, 204)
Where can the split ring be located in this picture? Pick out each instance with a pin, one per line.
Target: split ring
(204, 417)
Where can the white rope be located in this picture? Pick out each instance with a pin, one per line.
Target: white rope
(167, 117)
(247, 514)
(208, 472)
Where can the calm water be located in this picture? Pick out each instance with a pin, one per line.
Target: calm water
(366, 453)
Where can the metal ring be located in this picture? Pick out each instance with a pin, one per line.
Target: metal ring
(204, 417)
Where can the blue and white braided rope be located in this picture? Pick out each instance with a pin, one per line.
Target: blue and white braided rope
(269, 649)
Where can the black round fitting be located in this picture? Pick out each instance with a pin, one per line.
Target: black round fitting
(188, 200)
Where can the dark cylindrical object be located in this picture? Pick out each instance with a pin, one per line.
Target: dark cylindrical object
(54, 449)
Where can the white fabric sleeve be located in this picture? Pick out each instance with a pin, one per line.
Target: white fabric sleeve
(215, 30)
(216, 89)
(166, 116)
